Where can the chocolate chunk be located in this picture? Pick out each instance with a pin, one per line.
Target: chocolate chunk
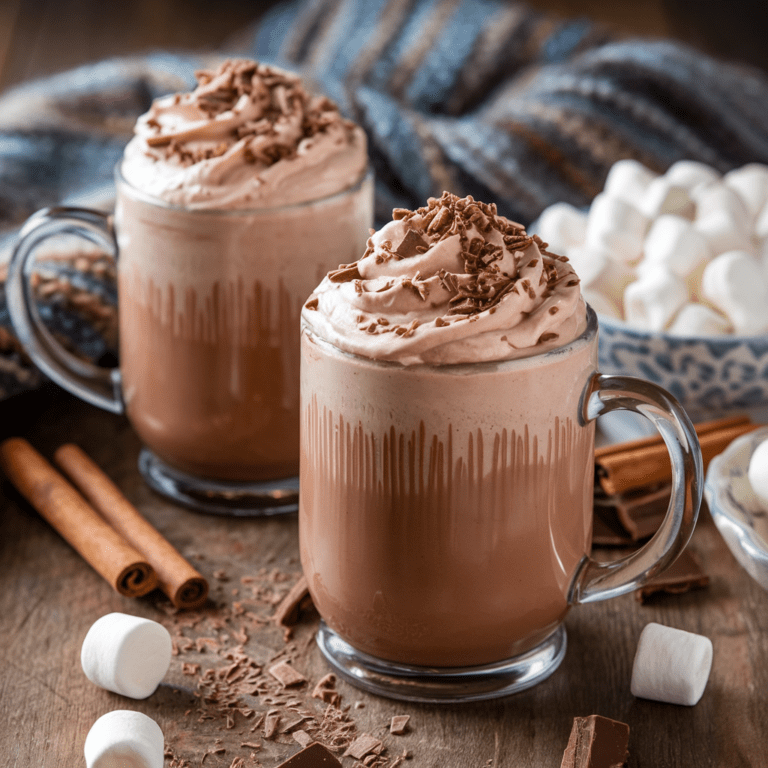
(287, 612)
(362, 745)
(271, 723)
(313, 756)
(286, 674)
(683, 575)
(596, 742)
(409, 244)
(399, 724)
(640, 511)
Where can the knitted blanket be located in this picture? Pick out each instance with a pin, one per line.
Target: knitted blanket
(481, 97)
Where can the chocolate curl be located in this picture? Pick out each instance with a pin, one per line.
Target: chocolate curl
(185, 587)
(69, 513)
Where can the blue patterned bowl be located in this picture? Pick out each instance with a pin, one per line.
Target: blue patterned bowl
(710, 376)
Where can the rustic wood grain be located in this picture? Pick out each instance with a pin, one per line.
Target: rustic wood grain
(49, 598)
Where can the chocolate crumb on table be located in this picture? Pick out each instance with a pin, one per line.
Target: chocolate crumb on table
(596, 742)
(363, 745)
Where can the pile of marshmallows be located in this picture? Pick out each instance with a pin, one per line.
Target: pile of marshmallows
(685, 253)
(130, 656)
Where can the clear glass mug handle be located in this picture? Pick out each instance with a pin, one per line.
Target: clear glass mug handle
(600, 581)
(99, 386)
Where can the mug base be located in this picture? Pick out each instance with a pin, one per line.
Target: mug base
(435, 685)
(214, 497)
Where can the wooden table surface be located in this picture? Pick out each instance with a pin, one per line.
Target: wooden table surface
(49, 598)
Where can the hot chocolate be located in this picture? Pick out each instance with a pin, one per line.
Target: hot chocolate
(446, 479)
(233, 201)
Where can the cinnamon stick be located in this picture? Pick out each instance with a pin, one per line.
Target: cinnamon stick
(287, 612)
(644, 462)
(78, 523)
(185, 587)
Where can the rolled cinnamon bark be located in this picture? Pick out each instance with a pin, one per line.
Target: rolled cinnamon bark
(78, 523)
(177, 578)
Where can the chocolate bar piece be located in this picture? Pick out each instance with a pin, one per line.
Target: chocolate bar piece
(313, 756)
(640, 511)
(683, 575)
(596, 742)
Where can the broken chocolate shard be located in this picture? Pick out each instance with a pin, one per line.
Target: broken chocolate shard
(286, 674)
(363, 745)
(398, 724)
(344, 274)
(640, 511)
(287, 612)
(409, 244)
(683, 575)
(313, 756)
(596, 742)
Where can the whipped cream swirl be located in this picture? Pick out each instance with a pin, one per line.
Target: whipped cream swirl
(452, 282)
(249, 136)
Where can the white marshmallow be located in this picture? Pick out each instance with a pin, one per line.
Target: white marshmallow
(628, 180)
(761, 223)
(652, 300)
(662, 197)
(711, 199)
(757, 473)
(734, 283)
(601, 303)
(124, 739)
(724, 233)
(126, 654)
(616, 226)
(674, 242)
(751, 183)
(689, 174)
(699, 320)
(671, 665)
(599, 271)
(562, 226)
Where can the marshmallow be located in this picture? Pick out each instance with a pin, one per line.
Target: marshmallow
(126, 654)
(616, 226)
(751, 183)
(628, 180)
(124, 739)
(562, 226)
(689, 174)
(711, 199)
(699, 320)
(652, 300)
(724, 233)
(671, 665)
(674, 242)
(761, 223)
(734, 283)
(662, 197)
(601, 303)
(757, 474)
(599, 271)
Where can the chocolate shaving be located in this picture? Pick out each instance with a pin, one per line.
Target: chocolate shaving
(345, 273)
(325, 690)
(410, 244)
(271, 724)
(312, 303)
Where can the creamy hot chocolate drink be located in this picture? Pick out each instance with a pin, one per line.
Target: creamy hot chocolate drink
(233, 201)
(446, 477)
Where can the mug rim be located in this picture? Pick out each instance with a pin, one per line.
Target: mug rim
(145, 197)
(587, 335)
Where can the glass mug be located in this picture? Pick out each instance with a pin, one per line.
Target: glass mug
(445, 517)
(209, 304)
